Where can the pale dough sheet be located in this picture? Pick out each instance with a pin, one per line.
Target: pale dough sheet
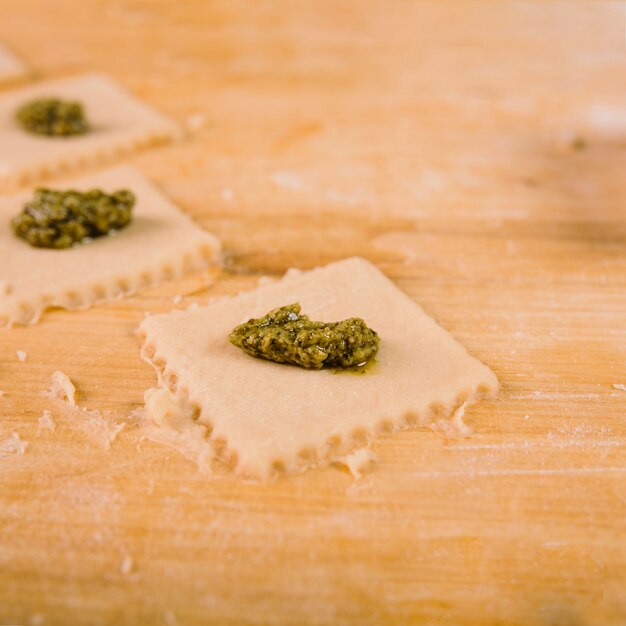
(11, 67)
(274, 416)
(161, 242)
(119, 124)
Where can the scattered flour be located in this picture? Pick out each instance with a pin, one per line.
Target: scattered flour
(546, 395)
(195, 121)
(45, 422)
(97, 428)
(177, 299)
(12, 445)
(608, 119)
(170, 618)
(289, 180)
(126, 566)
(539, 471)
(619, 387)
(295, 182)
(400, 243)
(21, 355)
(94, 425)
(552, 441)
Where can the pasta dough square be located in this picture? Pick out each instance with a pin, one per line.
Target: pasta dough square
(118, 122)
(161, 242)
(272, 416)
(11, 68)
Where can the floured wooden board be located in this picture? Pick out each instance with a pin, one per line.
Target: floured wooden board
(11, 68)
(434, 139)
(160, 243)
(118, 124)
(273, 416)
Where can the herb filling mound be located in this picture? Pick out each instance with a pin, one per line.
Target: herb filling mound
(61, 219)
(284, 335)
(53, 117)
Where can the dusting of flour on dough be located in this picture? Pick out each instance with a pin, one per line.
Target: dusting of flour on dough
(45, 422)
(21, 355)
(12, 445)
(61, 388)
(619, 387)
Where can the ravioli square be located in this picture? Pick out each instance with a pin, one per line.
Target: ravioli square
(11, 68)
(118, 124)
(160, 242)
(273, 417)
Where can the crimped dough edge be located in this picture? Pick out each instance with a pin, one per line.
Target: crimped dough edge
(106, 154)
(28, 312)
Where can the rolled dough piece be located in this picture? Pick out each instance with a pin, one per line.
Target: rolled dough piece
(11, 68)
(272, 416)
(119, 124)
(161, 242)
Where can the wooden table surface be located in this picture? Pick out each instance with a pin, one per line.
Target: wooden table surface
(475, 151)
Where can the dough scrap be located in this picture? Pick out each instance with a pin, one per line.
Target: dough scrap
(61, 388)
(12, 445)
(167, 420)
(160, 243)
(11, 68)
(119, 124)
(273, 417)
(357, 462)
(46, 421)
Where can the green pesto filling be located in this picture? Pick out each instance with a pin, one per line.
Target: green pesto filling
(61, 219)
(284, 335)
(53, 117)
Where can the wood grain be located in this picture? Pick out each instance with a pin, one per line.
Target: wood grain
(476, 152)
